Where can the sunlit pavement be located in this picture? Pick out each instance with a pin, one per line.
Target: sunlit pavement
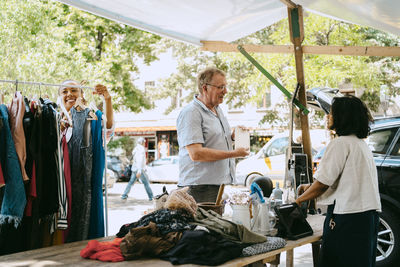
(127, 211)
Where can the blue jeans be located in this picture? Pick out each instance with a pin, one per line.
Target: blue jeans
(145, 181)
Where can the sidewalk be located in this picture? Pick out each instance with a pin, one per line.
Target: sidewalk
(127, 211)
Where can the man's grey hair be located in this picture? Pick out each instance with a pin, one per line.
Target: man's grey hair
(206, 75)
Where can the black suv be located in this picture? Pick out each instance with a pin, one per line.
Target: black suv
(384, 142)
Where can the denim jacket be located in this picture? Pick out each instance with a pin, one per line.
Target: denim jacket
(14, 199)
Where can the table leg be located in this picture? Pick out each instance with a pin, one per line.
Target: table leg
(315, 252)
(289, 258)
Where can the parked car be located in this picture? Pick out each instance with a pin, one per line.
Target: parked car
(125, 175)
(111, 179)
(164, 170)
(271, 159)
(384, 142)
(317, 158)
(115, 164)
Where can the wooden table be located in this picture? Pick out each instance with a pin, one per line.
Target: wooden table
(68, 254)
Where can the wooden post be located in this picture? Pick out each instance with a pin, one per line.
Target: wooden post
(296, 29)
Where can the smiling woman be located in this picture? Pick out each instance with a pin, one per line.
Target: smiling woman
(83, 140)
(71, 96)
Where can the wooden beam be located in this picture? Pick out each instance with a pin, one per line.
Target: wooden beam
(219, 46)
(289, 3)
(379, 51)
(295, 16)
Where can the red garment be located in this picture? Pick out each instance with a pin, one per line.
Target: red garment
(103, 251)
(2, 182)
(67, 177)
(31, 192)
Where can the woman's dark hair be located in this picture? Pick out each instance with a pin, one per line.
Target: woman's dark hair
(350, 116)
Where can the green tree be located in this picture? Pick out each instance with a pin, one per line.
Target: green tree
(126, 143)
(48, 41)
(248, 85)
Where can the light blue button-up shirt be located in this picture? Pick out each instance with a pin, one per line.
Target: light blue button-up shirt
(196, 124)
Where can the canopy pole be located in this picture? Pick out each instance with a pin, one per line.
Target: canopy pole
(296, 29)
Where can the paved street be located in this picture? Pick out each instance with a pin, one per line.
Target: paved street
(126, 211)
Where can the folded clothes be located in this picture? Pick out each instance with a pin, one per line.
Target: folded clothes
(103, 251)
(272, 243)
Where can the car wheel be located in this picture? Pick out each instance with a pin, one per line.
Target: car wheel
(250, 178)
(388, 250)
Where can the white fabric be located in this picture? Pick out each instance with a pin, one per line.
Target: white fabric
(348, 168)
(378, 14)
(228, 20)
(139, 158)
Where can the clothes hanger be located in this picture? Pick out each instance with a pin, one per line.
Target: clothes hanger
(92, 106)
(64, 112)
(79, 106)
(92, 116)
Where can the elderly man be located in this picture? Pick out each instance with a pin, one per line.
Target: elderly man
(138, 170)
(206, 156)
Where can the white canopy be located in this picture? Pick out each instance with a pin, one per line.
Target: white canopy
(227, 20)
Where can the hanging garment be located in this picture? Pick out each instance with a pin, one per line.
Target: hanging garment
(28, 126)
(62, 222)
(31, 192)
(67, 176)
(14, 199)
(43, 147)
(80, 153)
(29, 120)
(96, 227)
(2, 182)
(34, 240)
(17, 111)
(49, 193)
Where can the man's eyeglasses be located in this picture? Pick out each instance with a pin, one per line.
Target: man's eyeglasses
(222, 87)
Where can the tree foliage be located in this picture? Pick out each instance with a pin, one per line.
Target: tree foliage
(50, 42)
(248, 85)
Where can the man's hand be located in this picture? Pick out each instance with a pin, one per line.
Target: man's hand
(242, 152)
(138, 174)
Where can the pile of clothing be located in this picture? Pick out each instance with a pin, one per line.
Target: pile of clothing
(182, 233)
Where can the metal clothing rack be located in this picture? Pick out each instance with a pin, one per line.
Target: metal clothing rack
(16, 82)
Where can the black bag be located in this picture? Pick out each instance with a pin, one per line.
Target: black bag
(292, 224)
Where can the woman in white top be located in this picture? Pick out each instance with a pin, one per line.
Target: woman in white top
(347, 182)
